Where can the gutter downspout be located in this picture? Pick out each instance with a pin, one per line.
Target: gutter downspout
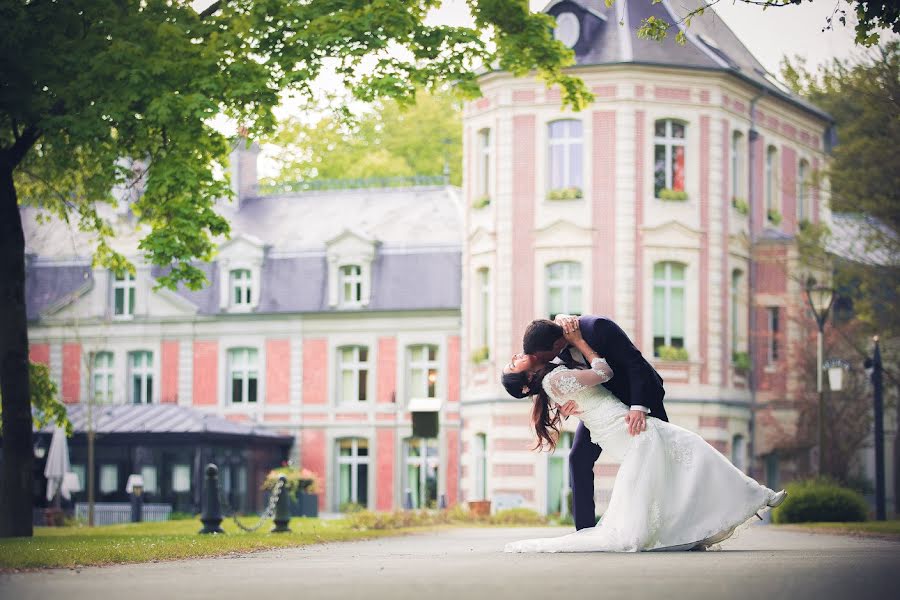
(751, 275)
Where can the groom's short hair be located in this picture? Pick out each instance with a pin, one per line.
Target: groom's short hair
(540, 335)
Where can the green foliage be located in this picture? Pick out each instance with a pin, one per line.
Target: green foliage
(741, 362)
(773, 216)
(569, 193)
(46, 408)
(819, 500)
(517, 516)
(673, 195)
(298, 480)
(365, 520)
(480, 355)
(482, 202)
(351, 507)
(741, 206)
(672, 353)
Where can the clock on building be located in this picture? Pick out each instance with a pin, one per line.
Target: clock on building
(568, 29)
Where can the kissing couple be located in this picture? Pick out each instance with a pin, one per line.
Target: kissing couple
(673, 491)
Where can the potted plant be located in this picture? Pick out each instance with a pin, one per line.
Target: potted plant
(671, 353)
(480, 508)
(567, 193)
(740, 205)
(774, 216)
(303, 487)
(480, 355)
(481, 202)
(741, 362)
(672, 195)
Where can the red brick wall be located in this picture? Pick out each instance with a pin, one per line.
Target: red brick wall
(169, 388)
(384, 469)
(500, 470)
(604, 212)
(315, 371)
(387, 369)
(453, 376)
(206, 373)
(278, 371)
(523, 191)
(312, 457)
(39, 353)
(452, 482)
(71, 374)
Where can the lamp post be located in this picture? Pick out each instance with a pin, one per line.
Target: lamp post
(874, 364)
(820, 298)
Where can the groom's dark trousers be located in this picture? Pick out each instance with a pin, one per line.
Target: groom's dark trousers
(634, 381)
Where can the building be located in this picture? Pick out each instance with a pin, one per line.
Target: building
(669, 204)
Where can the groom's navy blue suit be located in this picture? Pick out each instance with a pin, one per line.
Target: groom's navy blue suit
(634, 382)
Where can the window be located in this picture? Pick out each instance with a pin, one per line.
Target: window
(483, 302)
(737, 164)
(668, 156)
(123, 295)
(421, 474)
(353, 368)
(351, 285)
(109, 479)
(102, 378)
(771, 176)
(148, 473)
(480, 466)
(353, 471)
(565, 154)
(558, 475)
(243, 372)
(772, 334)
(423, 371)
(241, 287)
(736, 278)
(140, 367)
(668, 305)
(803, 211)
(181, 478)
(564, 288)
(739, 452)
(484, 163)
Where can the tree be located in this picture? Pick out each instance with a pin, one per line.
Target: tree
(87, 82)
(46, 408)
(390, 141)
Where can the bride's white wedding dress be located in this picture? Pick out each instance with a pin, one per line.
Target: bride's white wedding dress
(673, 491)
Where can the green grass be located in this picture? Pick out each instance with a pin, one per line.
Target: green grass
(890, 528)
(167, 540)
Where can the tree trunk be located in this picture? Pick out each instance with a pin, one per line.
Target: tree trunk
(18, 455)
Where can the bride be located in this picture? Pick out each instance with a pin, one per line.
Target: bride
(673, 491)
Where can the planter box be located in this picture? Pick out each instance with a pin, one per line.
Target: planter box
(480, 508)
(305, 505)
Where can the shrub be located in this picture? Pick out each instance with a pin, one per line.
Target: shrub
(741, 361)
(672, 353)
(182, 516)
(351, 507)
(481, 202)
(740, 205)
(820, 500)
(774, 216)
(569, 193)
(298, 480)
(672, 195)
(480, 355)
(517, 516)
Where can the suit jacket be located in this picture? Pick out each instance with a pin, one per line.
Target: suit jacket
(634, 380)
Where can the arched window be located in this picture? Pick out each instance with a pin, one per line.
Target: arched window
(564, 289)
(353, 369)
(420, 477)
(353, 472)
(102, 378)
(803, 212)
(243, 373)
(140, 371)
(771, 181)
(565, 154)
(668, 305)
(668, 156)
(737, 165)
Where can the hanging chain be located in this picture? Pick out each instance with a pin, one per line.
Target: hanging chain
(267, 514)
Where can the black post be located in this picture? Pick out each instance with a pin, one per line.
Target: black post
(879, 433)
(282, 508)
(137, 505)
(211, 517)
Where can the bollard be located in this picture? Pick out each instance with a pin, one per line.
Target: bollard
(407, 500)
(442, 503)
(282, 508)
(211, 517)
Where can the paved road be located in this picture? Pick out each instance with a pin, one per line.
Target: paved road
(467, 564)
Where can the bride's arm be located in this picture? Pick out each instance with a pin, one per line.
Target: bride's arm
(567, 382)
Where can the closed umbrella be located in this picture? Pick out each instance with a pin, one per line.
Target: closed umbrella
(57, 466)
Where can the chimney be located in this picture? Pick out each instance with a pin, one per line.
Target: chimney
(243, 168)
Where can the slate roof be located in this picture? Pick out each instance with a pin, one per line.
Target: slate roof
(48, 285)
(163, 419)
(711, 45)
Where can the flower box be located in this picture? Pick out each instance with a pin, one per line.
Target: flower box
(740, 205)
(569, 193)
(672, 195)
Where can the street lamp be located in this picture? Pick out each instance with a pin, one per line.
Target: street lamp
(875, 365)
(820, 298)
(835, 369)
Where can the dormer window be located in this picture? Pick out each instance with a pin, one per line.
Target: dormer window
(351, 285)
(241, 287)
(123, 295)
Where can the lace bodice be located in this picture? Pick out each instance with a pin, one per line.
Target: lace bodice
(563, 384)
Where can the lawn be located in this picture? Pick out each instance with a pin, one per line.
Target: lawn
(880, 528)
(167, 540)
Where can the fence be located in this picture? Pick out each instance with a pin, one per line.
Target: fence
(110, 513)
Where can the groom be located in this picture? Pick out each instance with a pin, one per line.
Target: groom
(634, 382)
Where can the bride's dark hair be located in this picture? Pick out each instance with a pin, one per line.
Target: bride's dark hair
(545, 421)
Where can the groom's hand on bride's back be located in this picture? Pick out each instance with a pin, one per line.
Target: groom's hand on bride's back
(568, 409)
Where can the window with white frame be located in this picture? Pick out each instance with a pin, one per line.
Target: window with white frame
(803, 211)
(243, 373)
(668, 156)
(558, 474)
(739, 452)
(737, 164)
(353, 471)
(668, 305)
(772, 326)
(422, 461)
(480, 466)
(564, 289)
(736, 282)
(350, 285)
(123, 295)
(109, 478)
(565, 154)
(353, 369)
(241, 288)
(771, 181)
(423, 371)
(483, 302)
(140, 372)
(484, 163)
(102, 377)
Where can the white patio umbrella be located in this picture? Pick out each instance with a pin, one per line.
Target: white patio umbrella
(57, 465)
